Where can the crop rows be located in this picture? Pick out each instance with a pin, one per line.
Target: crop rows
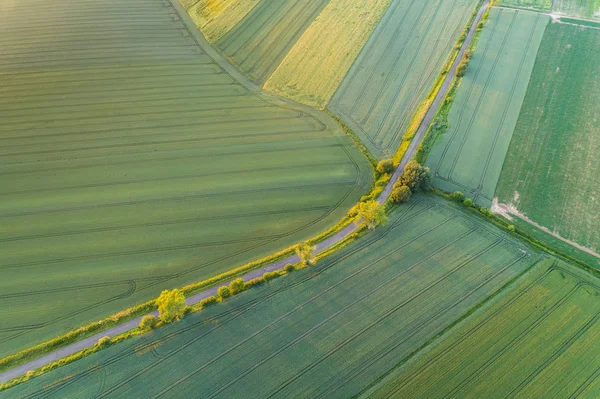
(541, 340)
(470, 154)
(551, 172)
(328, 330)
(133, 159)
(396, 69)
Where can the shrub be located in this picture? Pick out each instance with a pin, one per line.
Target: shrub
(511, 227)
(237, 286)
(458, 196)
(268, 276)
(289, 268)
(468, 202)
(148, 322)
(211, 300)
(461, 69)
(306, 253)
(400, 194)
(102, 342)
(171, 305)
(223, 292)
(372, 213)
(385, 166)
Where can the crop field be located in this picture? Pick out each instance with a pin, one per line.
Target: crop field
(396, 69)
(578, 8)
(134, 159)
(552, 170)
(315, 67)
(543, 5)
(469, 156)
(540, 340)
(216, 17)
(259, 42)
(329, 330)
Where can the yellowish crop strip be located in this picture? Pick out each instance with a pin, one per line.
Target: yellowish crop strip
(316, 65)
(217, 17)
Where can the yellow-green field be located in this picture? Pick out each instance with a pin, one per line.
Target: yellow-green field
(316, 65)
(216, 17)
(134, 159)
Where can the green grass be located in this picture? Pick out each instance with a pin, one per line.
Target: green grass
(260, 41)
(485, 109)
(396, 69)
(551, 172)
(541, 339)
(133, 159)
(329, 330)
(578, 8)
(542, 5)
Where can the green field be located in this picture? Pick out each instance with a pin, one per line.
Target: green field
(552, 169)
(133, 159)
(329, 330)
(540, 340)
(468, 157)
(396, 69)
(260, 41)
(578, 8)
(543, 5)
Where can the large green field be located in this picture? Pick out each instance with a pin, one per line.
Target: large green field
(329, 330)
(259, 42)
(133, 159)
(540, 340)
(469, 155)
(552, 170)
(396, 69)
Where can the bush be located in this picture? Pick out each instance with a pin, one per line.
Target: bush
(400, 194)
(461, 69)
(148, 322)
(289, 268)
(236, 286)
(268, 276)
(511, 227)
(385, 166)
(468, 202)
(211, 300)
(223, 292)
(102, 342)
(458, 196)
(171, 305)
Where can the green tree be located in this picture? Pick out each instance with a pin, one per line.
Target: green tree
(458, 196)
(400, 193)
(372, 213)
(385, 166)
(237, 286)
(415, 176)
(224, 292)
(306, 254)
(468, 202)
(148, 322)
(171, 305)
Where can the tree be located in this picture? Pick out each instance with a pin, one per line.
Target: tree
(171, 305)
(385, 166)
(415, 176)
(372, 213)
(468, 202)
(400, 194)
(237, 286)
(461, 69)
(306, 254)
(148, 322)
(223, 292)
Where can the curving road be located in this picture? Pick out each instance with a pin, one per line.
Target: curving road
(88, 342)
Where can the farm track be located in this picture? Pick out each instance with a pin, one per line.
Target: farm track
(336, 238)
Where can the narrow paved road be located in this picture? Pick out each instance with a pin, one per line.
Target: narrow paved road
(77, 346)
